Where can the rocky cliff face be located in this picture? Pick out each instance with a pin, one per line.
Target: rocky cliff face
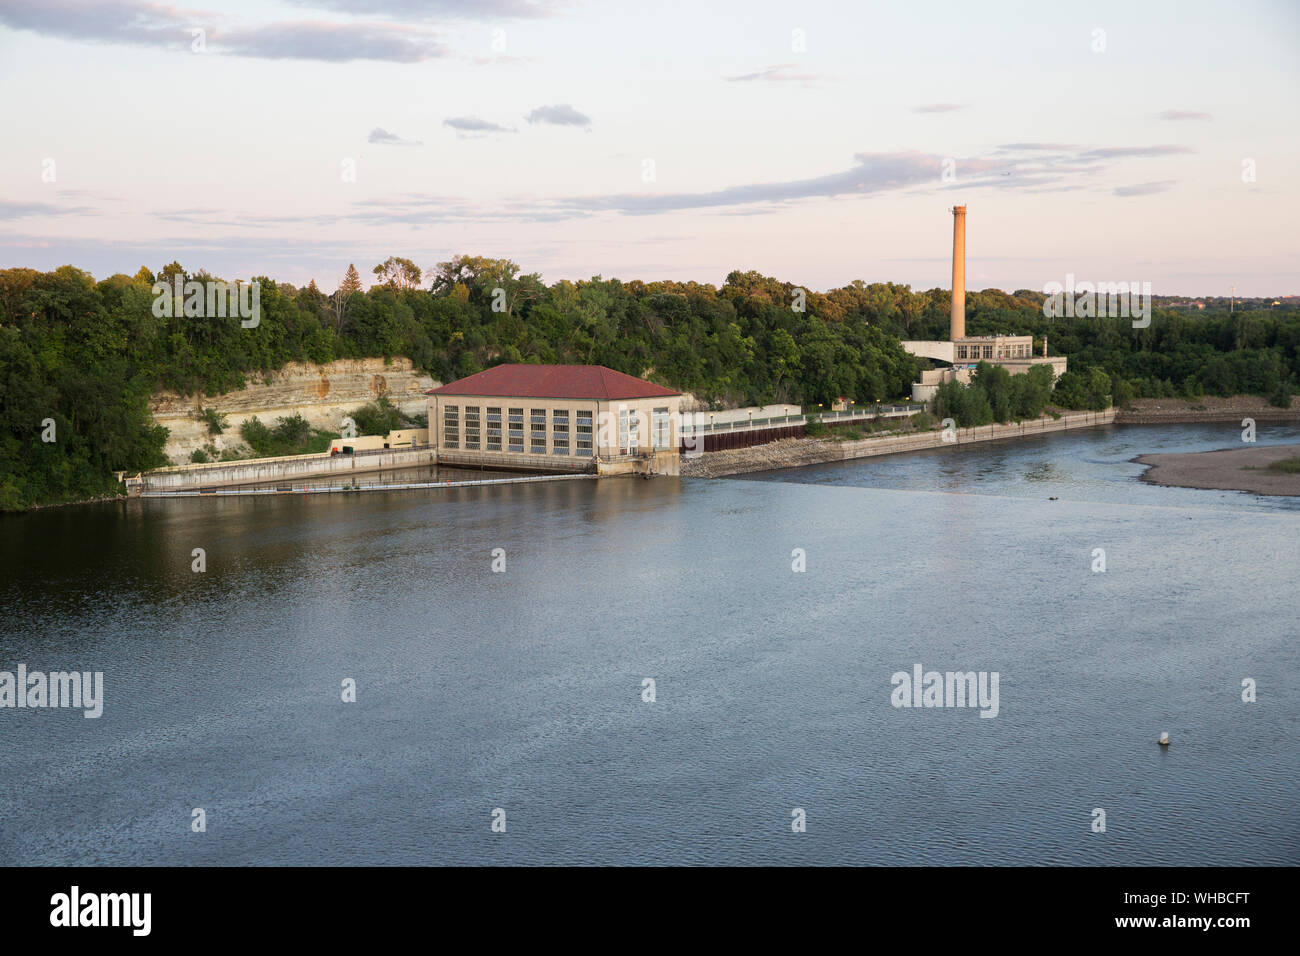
(322, 394)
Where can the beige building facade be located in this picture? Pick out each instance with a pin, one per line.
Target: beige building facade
(992, 348)
(557, 417)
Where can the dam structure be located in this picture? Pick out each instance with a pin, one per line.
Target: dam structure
(961, 353)
(548, 421)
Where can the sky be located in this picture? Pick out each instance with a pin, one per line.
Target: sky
(815, 142)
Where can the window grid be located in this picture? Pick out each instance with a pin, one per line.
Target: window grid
(451, 426)
(662, 431)
(582, 443)
(471, 428)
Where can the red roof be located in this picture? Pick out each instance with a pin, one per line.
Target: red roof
(554, 381)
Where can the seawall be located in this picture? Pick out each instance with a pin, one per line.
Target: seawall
(1170, 411)
(797, 452)
(284, 470)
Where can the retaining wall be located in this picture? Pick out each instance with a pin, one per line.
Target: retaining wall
(795, 453)
(284, 470)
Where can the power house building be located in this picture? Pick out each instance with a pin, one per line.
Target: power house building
(556, 417)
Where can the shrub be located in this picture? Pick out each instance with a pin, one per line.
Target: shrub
(921, 422)
(377, 418)
(291, 432)
(216, 422)
(257, 435)
(290, 436)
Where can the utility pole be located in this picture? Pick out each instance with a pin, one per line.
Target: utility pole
(1232, 302)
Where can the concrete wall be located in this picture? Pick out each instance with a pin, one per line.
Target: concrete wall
(937, 376)
(798, 452)
(658, 463)
(939, 351)
(1059, 364)
(360, 443)
(931, 379)
(407, 438)
(282, 470)
(750, 411)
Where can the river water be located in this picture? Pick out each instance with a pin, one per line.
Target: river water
(523, 689)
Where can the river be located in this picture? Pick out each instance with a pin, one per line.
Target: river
(522, 689)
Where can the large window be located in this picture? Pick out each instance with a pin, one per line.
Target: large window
(537, 431)
(629, 435)
(471, 428)
(560, 431)
(494, 428)
(583, 427)
(451, 426)
(515, 433)
(662, 429)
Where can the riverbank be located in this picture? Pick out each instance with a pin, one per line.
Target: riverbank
(798, 452)
(1210, 408)
(1230, 469)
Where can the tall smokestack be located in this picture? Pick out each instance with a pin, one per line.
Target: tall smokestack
(958, 328)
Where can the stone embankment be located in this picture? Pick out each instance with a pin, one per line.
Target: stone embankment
(322, 394)
(1158, 411)
(797, 452)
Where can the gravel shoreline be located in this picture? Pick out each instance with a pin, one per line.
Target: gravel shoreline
(1229, 469)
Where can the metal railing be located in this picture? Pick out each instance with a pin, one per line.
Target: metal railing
(358, 487)
(776, 421)
(514, 460)
(379, 451)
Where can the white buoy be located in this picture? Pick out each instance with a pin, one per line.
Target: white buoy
(1164, 739)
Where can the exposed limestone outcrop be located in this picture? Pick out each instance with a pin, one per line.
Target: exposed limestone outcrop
(322, 394)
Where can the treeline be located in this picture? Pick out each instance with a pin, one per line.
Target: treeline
(85, 355)
(995, 395)
(1178, 354)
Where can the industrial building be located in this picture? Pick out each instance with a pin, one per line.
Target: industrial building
(963, 352)
(556, 417)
